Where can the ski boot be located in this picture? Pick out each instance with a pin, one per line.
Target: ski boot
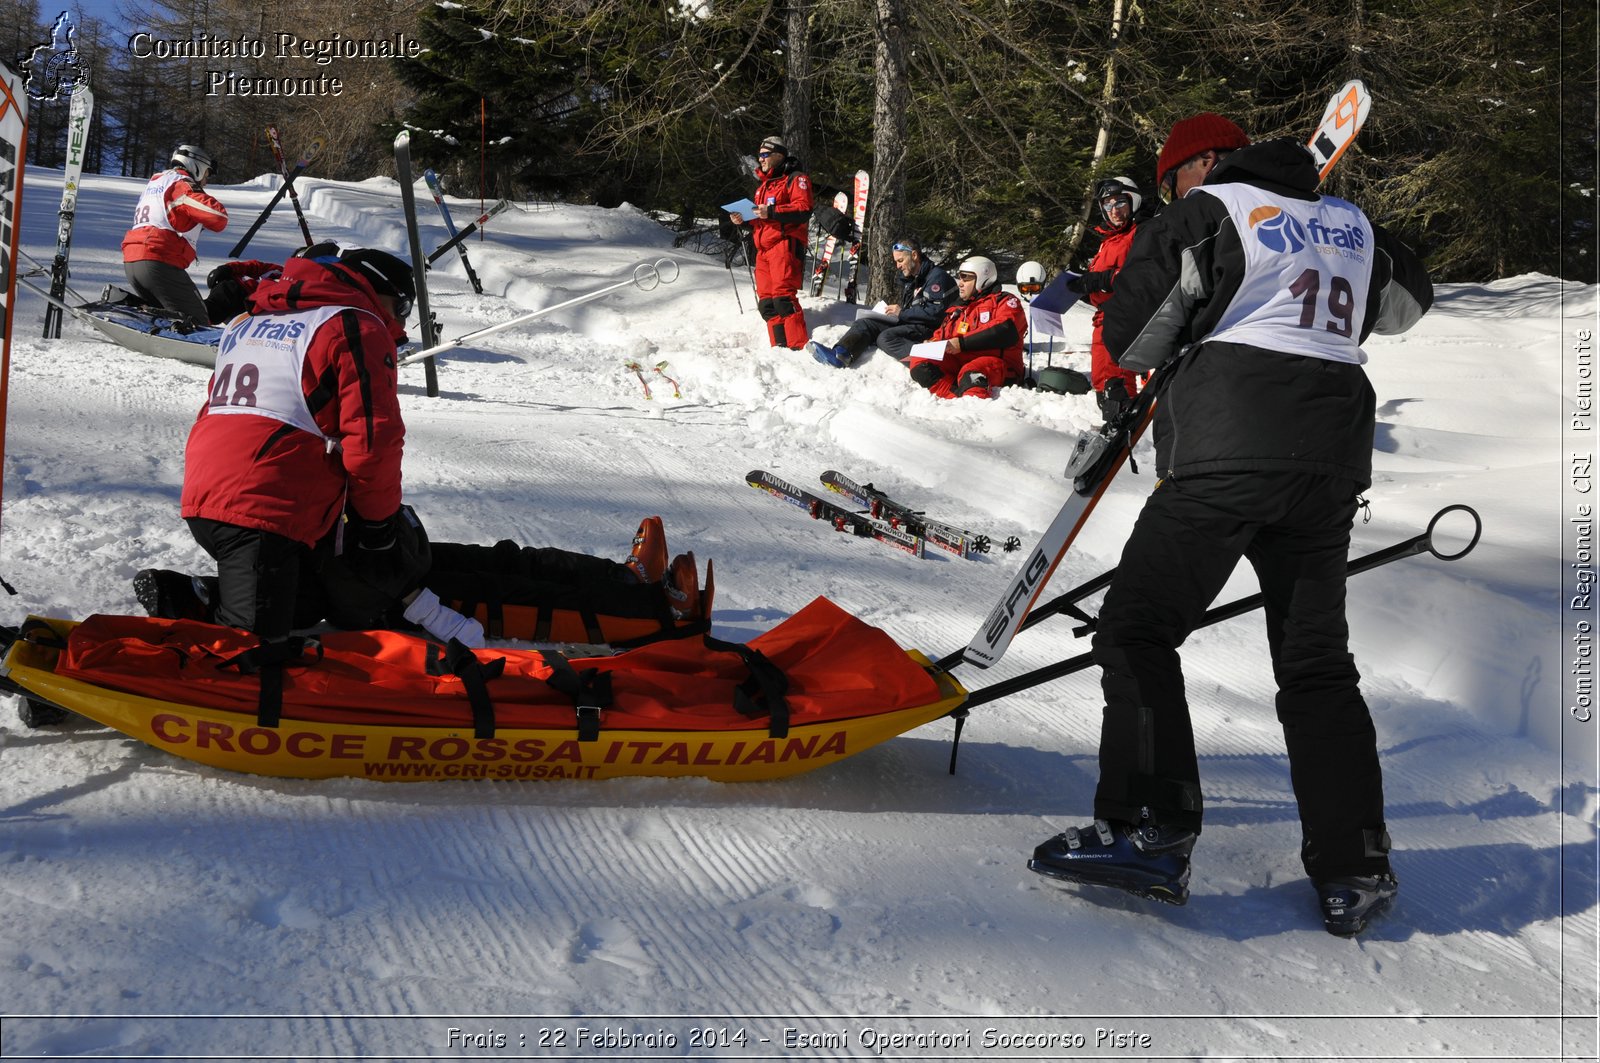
(1349, 903)
(1143, 859)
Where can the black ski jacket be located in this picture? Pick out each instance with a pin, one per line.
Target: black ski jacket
(924, 298)
(1232, 407)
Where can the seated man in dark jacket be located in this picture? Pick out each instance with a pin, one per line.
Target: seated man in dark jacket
(925, 291)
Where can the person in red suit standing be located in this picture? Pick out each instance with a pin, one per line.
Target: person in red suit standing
(1119, 201)
(983, 332)
(167, 221)
(779, 228)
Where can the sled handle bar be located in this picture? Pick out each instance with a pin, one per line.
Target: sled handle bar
(646, 276)
(1417, 544)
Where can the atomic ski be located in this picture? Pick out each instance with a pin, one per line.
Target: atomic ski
(77, 145)
(842, 519)
(306, 159)
(958, 541)
(444, 248)
(450, 226)
(1101, 453)
(819, 276)
(288, 183)
(858, 249)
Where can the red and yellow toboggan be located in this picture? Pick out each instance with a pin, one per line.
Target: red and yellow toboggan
(819, 687)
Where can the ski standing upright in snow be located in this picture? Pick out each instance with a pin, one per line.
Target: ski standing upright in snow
(819, 276)
(306, 159)
(82, 108)
(1100, 453)
(419, 269)
(450, 227)
(288, 183)
(857, 250)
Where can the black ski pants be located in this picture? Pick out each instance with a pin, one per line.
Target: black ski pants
(266, 583)
(1294, 528)
(168, 288)
(895, 340)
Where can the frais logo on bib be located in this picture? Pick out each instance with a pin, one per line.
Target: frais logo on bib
(1279, 231)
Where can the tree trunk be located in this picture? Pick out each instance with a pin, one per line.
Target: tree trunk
(797, 81)
(886, 210)
(1102, 141)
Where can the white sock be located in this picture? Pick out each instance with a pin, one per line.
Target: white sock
(442, 622)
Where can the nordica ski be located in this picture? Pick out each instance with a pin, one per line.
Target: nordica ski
(819, 276)
(842, 519)
(1101, 453)
(444, 248)
(858, 249)
(306, 159)
(77, 146)
(450, 226)
(958, 541)
(408, 200)
(283, 168)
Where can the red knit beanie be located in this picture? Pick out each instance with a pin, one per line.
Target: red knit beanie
(1203, 132)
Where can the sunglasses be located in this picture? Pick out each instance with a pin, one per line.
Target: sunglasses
(403, 305)
(1031, 288)
(765, 154)
(1115, 201)
(903, 247)
(966, 276)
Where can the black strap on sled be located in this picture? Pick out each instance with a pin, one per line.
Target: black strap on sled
(458, 660)
(764, 691)
(590, 691)
(268, 660)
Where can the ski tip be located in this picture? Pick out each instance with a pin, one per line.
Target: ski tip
(403, 139)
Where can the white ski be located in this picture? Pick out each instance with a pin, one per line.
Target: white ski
(77, 146)
(1100, 454)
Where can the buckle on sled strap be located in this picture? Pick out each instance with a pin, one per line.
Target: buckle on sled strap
(590, 691)
(763, 693)
(458, 660)
(268, 660)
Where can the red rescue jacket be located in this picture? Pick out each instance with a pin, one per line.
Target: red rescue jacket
(789, 196)
(993, 323)
(163, 238)
(259, 472)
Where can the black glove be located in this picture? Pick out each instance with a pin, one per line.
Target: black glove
(375, 536)
(222, 273)
(1096, 281)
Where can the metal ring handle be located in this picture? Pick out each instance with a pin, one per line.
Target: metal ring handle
(1477, 532)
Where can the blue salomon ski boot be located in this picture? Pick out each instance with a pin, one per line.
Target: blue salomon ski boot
(1145, 860)
(1349, 903)
(834, 356)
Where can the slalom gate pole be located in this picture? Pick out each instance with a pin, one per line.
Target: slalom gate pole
(646, 275)
(1417, 544)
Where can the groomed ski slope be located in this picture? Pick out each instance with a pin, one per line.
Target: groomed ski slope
(168, 909)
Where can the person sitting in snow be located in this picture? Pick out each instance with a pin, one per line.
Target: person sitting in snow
(925, 291)
(983, 332)
(160, 247)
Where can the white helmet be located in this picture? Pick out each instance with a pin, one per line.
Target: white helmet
(1118, 186)
(980, 267)
(195, 159)
(1029, 277)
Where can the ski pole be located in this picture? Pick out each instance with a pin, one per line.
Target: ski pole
(646, 275)
(1417, 544)
(735, 281)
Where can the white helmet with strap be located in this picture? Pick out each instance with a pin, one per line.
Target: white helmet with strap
(195, 159)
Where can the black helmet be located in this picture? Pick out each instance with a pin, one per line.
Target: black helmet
(387, 274)
(195, 159)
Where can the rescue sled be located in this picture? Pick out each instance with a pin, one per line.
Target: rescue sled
(385, 705)
(147, 332)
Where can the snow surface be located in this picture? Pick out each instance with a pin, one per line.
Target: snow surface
(156, 909)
